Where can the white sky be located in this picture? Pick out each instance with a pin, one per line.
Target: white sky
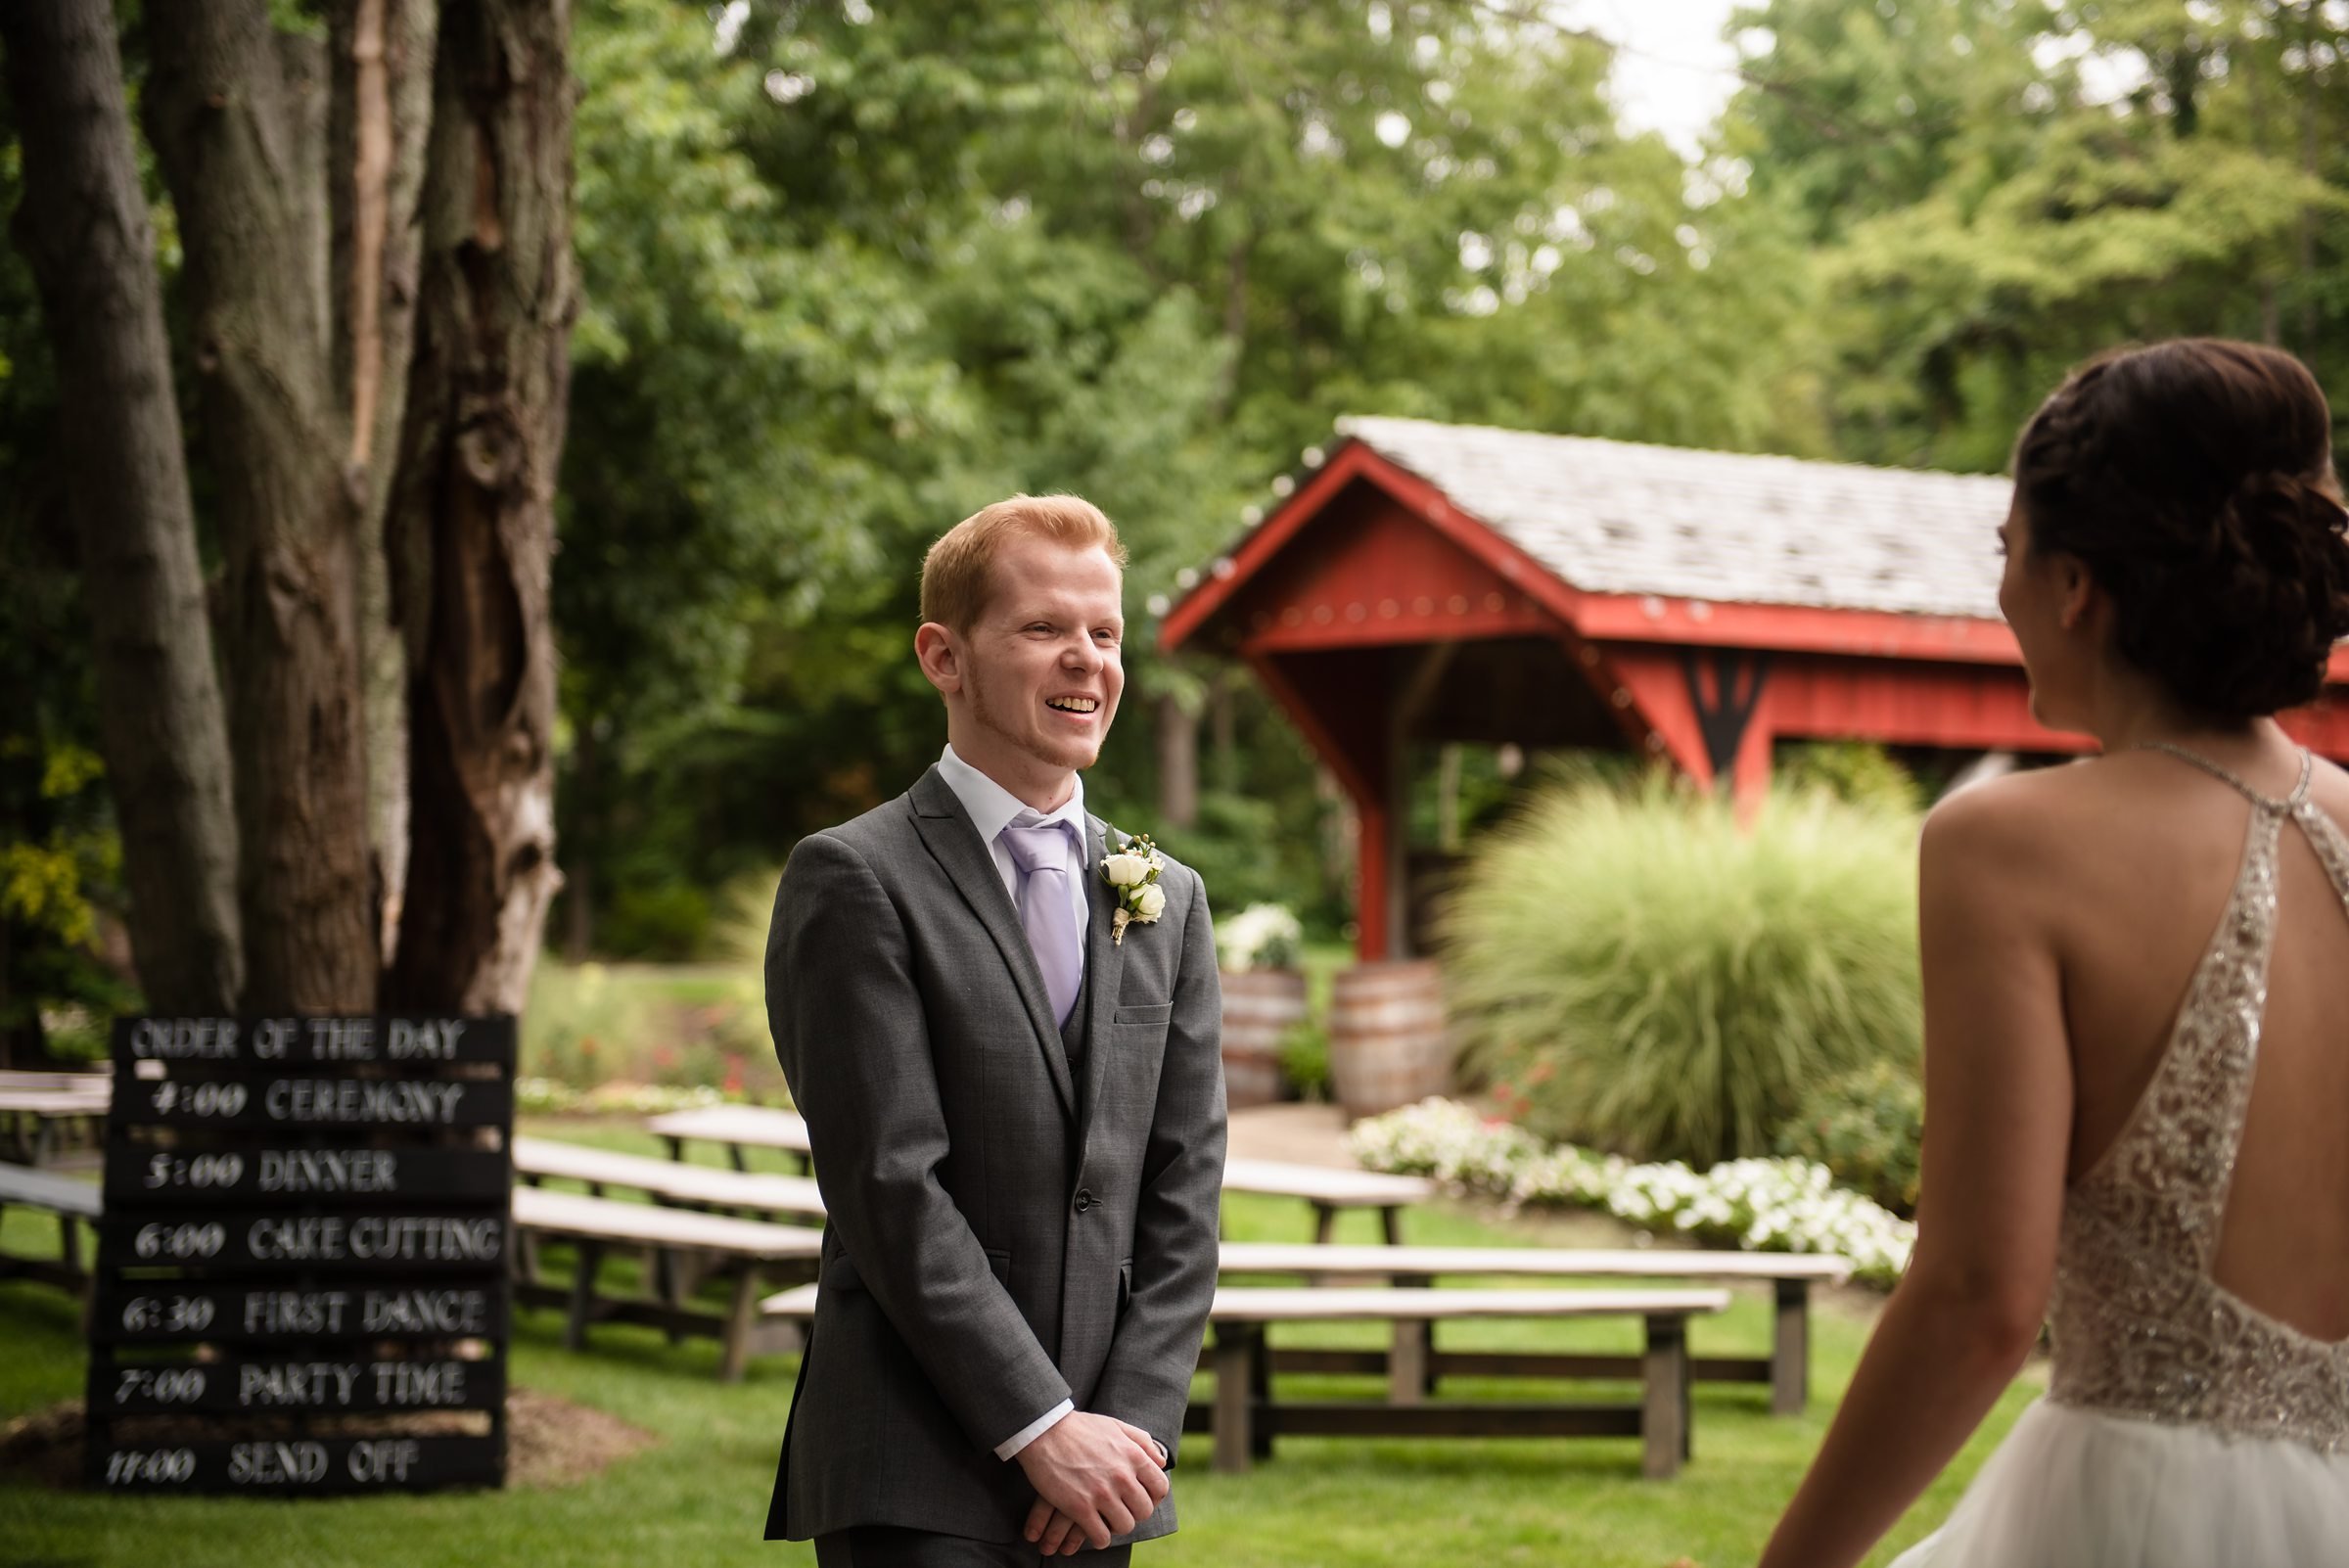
(1675, 72)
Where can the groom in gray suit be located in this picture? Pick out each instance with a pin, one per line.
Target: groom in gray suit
(1014, 1098)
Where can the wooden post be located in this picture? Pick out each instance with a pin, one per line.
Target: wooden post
(1233, 1397)
(582, 1294)
(1412, 701)
(742, 1317)
(1373, 936)
(1408, 1362)
(1664, 1398)
(1790, 1352)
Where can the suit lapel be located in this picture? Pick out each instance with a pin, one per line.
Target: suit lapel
(954, 842)
(1103, 960)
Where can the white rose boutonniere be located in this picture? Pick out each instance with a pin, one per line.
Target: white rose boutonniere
(1133, 871)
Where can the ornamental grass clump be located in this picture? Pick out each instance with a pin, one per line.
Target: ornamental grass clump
(1629, 970)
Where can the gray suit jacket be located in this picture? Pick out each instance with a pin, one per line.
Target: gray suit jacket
(1003, 1233)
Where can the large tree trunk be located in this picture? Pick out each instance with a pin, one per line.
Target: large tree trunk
(224, 120)
(472, 524)
(84, 225)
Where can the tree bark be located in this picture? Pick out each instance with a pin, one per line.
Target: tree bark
(1177, 762)
(85, 227)
(381, 53)
(472, 519)
(222, 120)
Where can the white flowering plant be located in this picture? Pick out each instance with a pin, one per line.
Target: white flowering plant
(1131, 871)
(1263, 936)
(1782, 1205)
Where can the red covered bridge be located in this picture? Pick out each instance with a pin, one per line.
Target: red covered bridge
(1442, 582)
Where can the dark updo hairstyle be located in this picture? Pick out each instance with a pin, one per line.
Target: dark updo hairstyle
(2194, 480)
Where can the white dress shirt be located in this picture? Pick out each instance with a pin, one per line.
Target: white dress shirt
(992, 808)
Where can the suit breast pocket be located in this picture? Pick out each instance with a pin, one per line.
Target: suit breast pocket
(1146, 1015)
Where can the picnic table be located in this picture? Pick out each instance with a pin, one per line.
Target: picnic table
(669, 1182)
(40, 1108)
(1791, 1276)
(682, 1249)
(1329, 1189)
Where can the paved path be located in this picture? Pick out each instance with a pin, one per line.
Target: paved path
(1303, 1134)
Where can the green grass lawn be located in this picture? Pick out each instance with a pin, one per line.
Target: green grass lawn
(698, 1495)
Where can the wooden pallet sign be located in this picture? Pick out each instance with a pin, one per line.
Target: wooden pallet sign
(304, 1265)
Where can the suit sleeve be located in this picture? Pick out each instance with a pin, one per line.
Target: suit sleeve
(1147, 1378)
(850, 1032)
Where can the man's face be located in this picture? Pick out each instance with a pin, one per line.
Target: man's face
(1041, 671)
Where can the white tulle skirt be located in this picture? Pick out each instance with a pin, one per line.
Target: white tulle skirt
(2076, 1488)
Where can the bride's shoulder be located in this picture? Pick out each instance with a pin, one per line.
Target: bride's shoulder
(2023, 824)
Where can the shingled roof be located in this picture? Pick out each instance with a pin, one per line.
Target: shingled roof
(1617, 517)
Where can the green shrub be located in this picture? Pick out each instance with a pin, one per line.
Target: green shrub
(1859, 772)
(1645, 977)
(1305, 1060)
(1868, 1125)
(664, 922)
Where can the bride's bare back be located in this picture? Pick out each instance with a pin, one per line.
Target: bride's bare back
(2140, 855)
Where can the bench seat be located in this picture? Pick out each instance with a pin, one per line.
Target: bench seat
(1791, 1276)
(1244, 1417)
(671, 1181)
(681, 1248)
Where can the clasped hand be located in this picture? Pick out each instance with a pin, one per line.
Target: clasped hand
(1096, 1478)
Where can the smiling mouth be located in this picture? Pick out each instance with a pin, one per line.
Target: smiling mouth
(1073, 705)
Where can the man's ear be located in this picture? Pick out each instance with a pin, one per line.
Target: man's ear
(939, 653)
(2080, 595)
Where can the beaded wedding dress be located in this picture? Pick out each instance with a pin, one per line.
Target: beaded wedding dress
(2182, 1427)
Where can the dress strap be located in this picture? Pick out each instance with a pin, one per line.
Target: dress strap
(2291, 803)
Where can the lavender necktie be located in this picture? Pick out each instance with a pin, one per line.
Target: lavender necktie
(1046, 910)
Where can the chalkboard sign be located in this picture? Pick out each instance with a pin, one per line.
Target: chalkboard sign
(175, 1311)
(306, 1219)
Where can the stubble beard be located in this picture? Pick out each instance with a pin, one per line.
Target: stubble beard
(1028, 744)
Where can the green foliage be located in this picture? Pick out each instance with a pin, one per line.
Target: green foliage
(2003, 189)
(579, 1027)
(664, 920)
(1868, 1125)
(1654, 981)
(1305, 1060)
(1857, 771)
(1236, 847)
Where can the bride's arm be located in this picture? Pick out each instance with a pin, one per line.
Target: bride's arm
(1998, 1129)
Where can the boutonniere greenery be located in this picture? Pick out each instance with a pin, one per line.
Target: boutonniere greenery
(1132, 872)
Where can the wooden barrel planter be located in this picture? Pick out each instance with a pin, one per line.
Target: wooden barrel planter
(1260, 1008)
(1387, 1043)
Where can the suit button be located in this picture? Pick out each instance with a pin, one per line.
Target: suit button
(1085, 1199)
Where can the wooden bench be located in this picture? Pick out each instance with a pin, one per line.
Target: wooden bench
(96, 1083)
(36, 1115)
(737, 1128)
(1786, 1368)
(1328, 1188)
(74, 1203)
(682, 1249)
(669, 1182)
(1245, 1417)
